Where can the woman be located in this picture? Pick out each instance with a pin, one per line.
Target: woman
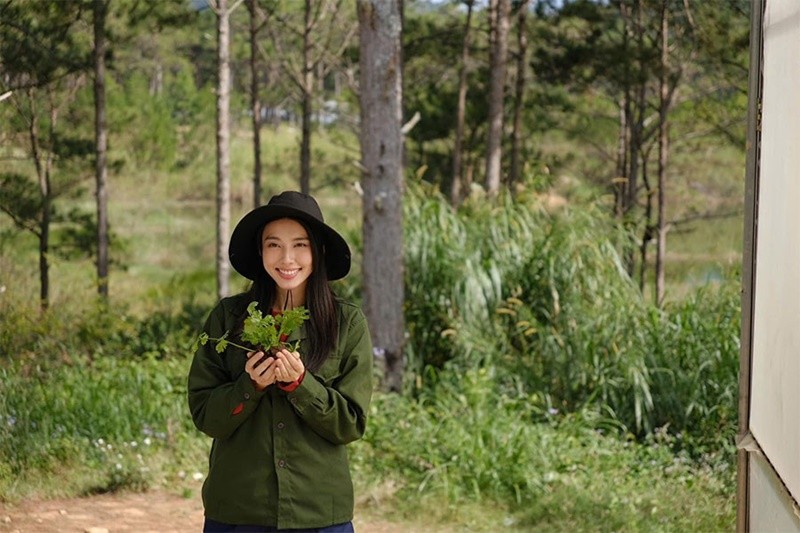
(280, 422)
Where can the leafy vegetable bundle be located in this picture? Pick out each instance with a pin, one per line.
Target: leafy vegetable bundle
(265, 332)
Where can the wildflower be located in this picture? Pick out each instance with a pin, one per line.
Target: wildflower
(147, 441)
(197, 476)
(119, 466)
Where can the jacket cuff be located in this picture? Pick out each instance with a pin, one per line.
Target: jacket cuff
(289, 387)
(307, 393)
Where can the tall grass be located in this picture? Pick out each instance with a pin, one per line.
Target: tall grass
(542, 300)
(467, 443)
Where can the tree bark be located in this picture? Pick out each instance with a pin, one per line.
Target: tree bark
(499, 51)
(223, 147)
(255, 102)
(45, 190)
(308, 94)
(663, 154)
(380, 24)
(621, 178)
(101, 145)
(456, 185)
(647, 234)
(519, 94)
(640, 106)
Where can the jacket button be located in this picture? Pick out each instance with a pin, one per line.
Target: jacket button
(282, 463)
(246, 395)
(281, 425)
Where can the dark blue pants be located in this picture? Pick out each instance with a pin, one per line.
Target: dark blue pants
(212, 526)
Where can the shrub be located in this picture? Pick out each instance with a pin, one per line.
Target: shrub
(543, 302)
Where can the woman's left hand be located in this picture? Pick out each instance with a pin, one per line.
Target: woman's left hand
(288, 366)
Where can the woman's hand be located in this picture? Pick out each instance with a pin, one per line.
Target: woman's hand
(288, 366)
(261, 370)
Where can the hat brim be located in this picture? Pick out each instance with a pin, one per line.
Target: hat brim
(243, 248)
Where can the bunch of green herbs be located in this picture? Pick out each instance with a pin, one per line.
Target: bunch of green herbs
(263, 331)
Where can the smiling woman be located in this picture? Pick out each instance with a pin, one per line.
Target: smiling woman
(280, 420)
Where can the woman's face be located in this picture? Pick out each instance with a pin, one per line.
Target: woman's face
(287, 258)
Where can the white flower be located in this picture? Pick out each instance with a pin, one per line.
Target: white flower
(134, 444)
(147, 441)
(197, 476)
(119, 466)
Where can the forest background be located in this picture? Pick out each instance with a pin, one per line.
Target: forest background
(571, 283)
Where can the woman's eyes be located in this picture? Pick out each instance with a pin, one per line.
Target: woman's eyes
(297, 245)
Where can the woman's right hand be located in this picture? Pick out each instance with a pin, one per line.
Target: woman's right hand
(261, 369)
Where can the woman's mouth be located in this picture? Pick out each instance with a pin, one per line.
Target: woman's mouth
(288, 274)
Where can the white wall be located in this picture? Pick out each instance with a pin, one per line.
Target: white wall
(775, 368)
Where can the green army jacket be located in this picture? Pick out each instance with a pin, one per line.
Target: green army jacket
(279, 459)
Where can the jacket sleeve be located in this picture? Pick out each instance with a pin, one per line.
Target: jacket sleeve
(218, 402)
(338, 413)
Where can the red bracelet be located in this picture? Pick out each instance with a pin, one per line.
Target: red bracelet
(289, 387)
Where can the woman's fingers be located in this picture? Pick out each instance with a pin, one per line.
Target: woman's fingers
(289, 366)
(285, 367)
(261, 369)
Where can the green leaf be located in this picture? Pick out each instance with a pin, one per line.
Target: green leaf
(222, 343)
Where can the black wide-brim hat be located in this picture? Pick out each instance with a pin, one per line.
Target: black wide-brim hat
(243, 249)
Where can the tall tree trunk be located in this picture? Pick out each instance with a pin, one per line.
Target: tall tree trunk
(45, 191)
(456, 185)
(636, 98)
(519, 94)
(497, 67)
(223, 147)
(380, 25)
(647, 235)
(625, 120)
(640, 102)
(255, 102)
(663, 153)
(621, 178)
(308, 93)
(101, 145)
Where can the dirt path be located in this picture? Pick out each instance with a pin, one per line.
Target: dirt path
(147, 512)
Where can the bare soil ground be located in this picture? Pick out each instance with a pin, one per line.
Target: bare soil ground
(154, 511)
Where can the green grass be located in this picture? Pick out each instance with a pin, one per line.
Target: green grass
(516, 431)
(485, 466)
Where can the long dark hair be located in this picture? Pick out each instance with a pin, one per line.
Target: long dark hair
(323, 325)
